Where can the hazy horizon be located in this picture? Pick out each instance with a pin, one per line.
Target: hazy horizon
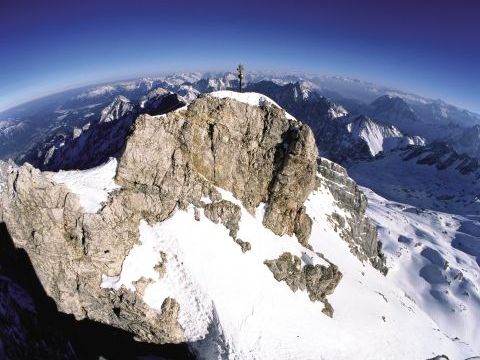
(253, 71)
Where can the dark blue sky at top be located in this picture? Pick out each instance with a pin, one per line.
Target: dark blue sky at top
(427, 47)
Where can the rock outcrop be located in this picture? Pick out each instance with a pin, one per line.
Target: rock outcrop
(318, 280)
(254, 152)
(224, 212)
(442, 156)
(355, 228)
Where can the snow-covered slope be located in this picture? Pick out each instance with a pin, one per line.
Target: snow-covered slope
(116, 110)
(420, 184)
(254, 316)
(442, 156)
(434, 258)
(92, 185)
(378, 137)
(353, 92)
(231, 307)
(467, 141)
(250, 98)
(10, 132)
(394, 110)
(340, 137)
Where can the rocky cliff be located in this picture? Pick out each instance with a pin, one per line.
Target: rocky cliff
(186, 160)
(355, 227)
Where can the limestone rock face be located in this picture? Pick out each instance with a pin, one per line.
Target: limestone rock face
(70, 250)
(254, 152)
(357, 229)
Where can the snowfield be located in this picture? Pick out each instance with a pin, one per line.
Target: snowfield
(231, 307)
(92, 185)
(250, 98)
(434, 258)
(419, 185)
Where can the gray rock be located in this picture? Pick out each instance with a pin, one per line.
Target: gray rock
(254, 152)
(321, 280)
(288, 268)
(226, 213)
(356, 229)
(303, 227)
(318, 280)
(244, 245)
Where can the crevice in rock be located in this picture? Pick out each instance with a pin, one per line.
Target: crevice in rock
(211, 132)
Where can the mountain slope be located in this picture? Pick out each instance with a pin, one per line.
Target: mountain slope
(423, 177)
(340, 137)
(357, 93)
(467, 142)
(222, 232)
(379, 138)
(434, 257)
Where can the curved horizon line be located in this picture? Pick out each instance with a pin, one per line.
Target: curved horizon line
(202, 73)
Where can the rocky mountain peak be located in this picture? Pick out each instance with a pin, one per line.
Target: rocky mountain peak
(217, 215)
(393, 109)
(170, 162)
(250, 151)
(390, 100)
(117, 109)
(160, 101)
(442, 155)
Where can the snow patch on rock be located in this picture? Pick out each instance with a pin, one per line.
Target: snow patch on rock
(92, 185)
(250, 98)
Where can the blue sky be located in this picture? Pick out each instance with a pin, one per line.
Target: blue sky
(432, 48)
